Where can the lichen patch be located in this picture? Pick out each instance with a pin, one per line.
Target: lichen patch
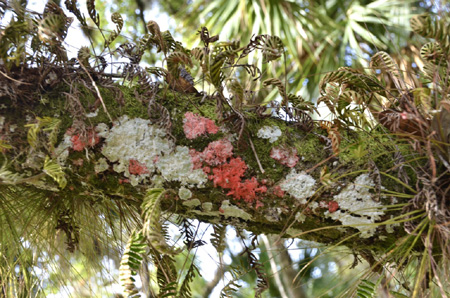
(357, 207)
(299, 185)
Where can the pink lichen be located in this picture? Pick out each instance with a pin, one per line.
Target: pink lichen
(137, 168)
(196, 158)
(229, 176)
(123, 181)
(80, 142)
(218, 152)
(258, 204)
(278, 191)
(195, 125)
(215, 154)
(247, 190)
(287, 157)
(333, 206)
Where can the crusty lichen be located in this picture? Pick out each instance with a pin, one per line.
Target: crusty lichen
(299, 185)
(357, 207)
(272, 133)
(136, 139)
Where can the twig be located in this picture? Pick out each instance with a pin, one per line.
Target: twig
(14, 80)
(256, 156)
(96, 89)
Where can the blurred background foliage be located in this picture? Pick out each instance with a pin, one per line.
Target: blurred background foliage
(319, 36)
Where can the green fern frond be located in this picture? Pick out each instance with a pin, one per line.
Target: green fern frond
(157, 71)
(198, 54)
(152, 228)
(157, 38)
(281, 89)
(353, 79)
(117, 19)
(83, 56)
(51, 127)
(4, 145)
(185, 289)
(54, 170)
(46, 124)
(436, 28)
(171, 43)
(433, 53)
(272, 49)
(8, 177)
(151, 211)
(238, 92)
(53, 28)
(353, 96)
(219, 58)
(166, 275)
(384, 62)
(130, 263)
(298, 102)
(218, 237)
(174, 60)
(232, 287)
(71, 6)
(32, 136)
(366, 289)
(271, 46)
(93, 12)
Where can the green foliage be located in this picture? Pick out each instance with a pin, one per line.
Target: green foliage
(151, 215)
(116, 18)
(47, 125)
(185, 288)
(218, 238)
(54, 170)
(130, 263)
(232, 287)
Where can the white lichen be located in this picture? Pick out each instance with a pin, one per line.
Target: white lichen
(207, 206)
(357, 207)
(138, 140)
(390, 227)
(299, 185)
(101, 165)
(102, 130)
(300, 217)
(192, 203)
(135, 139)
(233, 211)
(93, 114)
(184, 193)
(269, 132)
(177, 166)
(273, 214)
(62, 151)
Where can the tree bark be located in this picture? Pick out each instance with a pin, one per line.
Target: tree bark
(259, 173)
